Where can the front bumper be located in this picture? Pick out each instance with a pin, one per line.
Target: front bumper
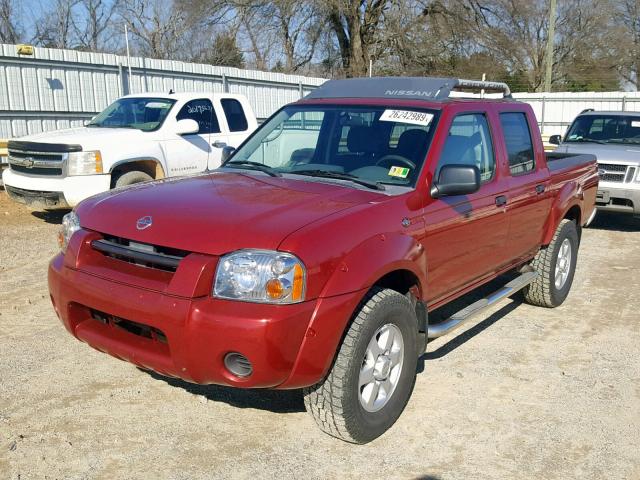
(53, 192)
(289, 346)
(620, 198)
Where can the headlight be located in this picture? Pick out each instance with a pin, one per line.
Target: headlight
(84, 163)
(70, 225)
(260, 276)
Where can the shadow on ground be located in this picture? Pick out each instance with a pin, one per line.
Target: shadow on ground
(615, 222)
(276, 401)
(458, 339)
(51, 216)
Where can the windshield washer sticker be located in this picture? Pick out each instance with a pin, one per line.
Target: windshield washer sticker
(402, 172)
(407, 116)
(635, 123)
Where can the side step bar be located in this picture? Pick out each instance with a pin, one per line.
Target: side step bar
(458, 318)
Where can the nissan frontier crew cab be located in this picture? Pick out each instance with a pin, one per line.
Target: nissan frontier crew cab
(312, 258)
(135, 139)
(614, 138)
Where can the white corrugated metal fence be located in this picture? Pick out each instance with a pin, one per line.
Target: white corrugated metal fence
(55, 89)
(60, 88)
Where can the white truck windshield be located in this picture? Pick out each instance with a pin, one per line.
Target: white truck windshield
(146, 114)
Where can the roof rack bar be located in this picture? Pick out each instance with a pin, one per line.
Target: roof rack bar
(463, 85)
(406, 88)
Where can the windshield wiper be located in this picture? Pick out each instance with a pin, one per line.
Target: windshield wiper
(249, 165)
(339, 176)
(588, 140)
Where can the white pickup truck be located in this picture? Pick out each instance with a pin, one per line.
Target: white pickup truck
(135, 139)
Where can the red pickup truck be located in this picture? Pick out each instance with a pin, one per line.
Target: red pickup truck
(312, 258)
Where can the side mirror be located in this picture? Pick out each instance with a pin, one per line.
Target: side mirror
(456, 180)
(555, 139)
(227, 152)
(187, 126)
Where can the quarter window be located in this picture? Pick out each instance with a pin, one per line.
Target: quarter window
(201, 111)
(469, 143)
(517, 138)
(235, 115)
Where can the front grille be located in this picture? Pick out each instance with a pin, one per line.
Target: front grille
(142, 254)
(36, 163)
(611, 172)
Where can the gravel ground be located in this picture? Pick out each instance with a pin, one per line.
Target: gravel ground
(522, 392)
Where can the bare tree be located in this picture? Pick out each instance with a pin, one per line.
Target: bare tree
(9, 29)
(626, 15)
(93, 24)
(55, 29)
(356, 25)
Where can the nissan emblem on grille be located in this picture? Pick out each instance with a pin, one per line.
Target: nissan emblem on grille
(144, 222)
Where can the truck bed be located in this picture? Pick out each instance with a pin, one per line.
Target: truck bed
(557, 161)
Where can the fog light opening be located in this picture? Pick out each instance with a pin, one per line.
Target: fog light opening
(238, 364)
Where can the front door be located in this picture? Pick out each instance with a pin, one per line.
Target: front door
(466, 233)
(188, 154)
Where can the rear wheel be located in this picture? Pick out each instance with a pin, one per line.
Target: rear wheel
(556, 265)
(130, 178)
(374, 372)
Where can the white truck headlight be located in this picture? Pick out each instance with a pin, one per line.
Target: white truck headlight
(261, 276)
(70, 225)
(84, 163)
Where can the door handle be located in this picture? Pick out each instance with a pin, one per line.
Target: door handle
(501, 200)
(540, 189)
(219, 144)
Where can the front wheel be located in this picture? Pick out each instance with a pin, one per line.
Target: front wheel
(373, 374)
(556, 265)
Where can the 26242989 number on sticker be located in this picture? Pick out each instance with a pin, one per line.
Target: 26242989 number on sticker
(407, 116)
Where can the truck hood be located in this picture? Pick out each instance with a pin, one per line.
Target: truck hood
(89, 138)
(624, 154)
(219, 212)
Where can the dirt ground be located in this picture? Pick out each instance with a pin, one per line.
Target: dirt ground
(523, 392)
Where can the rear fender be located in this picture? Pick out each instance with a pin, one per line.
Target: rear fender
(569, 196)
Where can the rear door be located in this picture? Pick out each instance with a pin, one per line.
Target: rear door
(466, 233)
(238, 127)
(529, 196)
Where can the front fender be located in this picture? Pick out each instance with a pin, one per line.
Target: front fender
(372, 259)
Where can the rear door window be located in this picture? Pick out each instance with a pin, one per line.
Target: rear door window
(200, 110)
(517, 137)
(234, 112)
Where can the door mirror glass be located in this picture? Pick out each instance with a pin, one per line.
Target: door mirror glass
(456, 180)
(227, 152)
(187, 126)
(555, 139)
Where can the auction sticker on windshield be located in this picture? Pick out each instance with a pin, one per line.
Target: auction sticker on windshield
(407, 116)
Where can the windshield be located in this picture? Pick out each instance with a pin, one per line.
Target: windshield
(369, 145)
(142, 113)
(605, 129)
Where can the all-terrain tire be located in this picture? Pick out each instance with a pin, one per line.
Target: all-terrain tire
(334, 403)
(129, 178)
(543, 291)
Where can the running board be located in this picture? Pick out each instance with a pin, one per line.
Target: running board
(458, 318)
